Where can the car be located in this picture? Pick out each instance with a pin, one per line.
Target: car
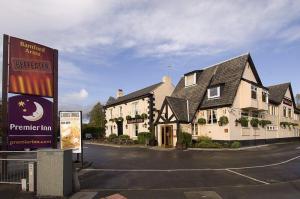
(88, 136)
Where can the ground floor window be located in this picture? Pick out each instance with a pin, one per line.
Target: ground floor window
(272, 128)
(212, 116)
(194, 129)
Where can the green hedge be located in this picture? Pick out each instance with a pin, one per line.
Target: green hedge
(96, 132)
(143, 136)
(111, 137)
(185, 139)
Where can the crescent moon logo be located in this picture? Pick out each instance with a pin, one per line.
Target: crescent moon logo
(37, 115)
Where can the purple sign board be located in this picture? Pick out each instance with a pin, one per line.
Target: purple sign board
(29, 122)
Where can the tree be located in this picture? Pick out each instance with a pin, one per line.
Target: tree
(97, 116)
(298, 100)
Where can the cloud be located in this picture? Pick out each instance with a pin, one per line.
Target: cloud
(156, 28)
(75, 96)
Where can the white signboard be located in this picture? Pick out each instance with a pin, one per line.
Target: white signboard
(70, 130)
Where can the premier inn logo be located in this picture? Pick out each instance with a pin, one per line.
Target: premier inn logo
(36, 114)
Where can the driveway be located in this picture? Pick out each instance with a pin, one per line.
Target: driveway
(146, 173)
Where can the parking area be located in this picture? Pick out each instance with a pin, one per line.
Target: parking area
(134, 172)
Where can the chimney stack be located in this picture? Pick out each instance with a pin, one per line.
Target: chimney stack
(166, 79)
(120, 93)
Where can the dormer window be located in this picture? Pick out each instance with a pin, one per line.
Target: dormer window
(213, 92)
(190, 79)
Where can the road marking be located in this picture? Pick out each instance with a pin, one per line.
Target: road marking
(254, 179)
(204, 169)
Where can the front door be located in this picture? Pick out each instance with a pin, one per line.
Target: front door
(167, 136)
(120, 128)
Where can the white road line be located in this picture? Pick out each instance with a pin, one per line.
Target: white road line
(254, 179)
(204, 169)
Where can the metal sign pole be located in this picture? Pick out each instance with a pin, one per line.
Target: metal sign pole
(4, 102)
(55, 97)
(81, 139)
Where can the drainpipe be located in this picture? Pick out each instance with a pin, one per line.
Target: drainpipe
(188, 112)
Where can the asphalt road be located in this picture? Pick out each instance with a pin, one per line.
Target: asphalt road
(266, 172)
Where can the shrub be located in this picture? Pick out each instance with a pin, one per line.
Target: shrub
(208, 144)
(111, 137)
(226, 144)
(201, 121)
(124, 137)
(235, 144)
(96, 132)
(204, 138)
(184, 139)
(144, 116)
(284, 124)
(223, 120)
(263, 123)
(244, 121)
(254, 122)
(143, 136)
(137, 116)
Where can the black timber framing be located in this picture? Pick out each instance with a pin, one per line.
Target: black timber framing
(151, 104)
(166, 119)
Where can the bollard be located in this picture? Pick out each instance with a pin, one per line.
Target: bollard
(24, 184)
(31, 176)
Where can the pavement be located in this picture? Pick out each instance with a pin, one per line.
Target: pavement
(270, 171)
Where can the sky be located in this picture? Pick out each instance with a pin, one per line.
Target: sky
(129, 44)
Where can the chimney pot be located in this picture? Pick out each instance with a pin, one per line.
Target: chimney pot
(120, 93)
(166, 79)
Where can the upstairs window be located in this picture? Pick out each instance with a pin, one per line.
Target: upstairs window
(265, 96)
(284, 112)
(135, 109)
(213, 92)
(120, 111)
(290, 113)
(111, 113)
(190, 80)
(253, 92)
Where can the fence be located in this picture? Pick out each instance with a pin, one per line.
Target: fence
(17, 167)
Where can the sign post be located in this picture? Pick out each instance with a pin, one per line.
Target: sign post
(71, 132)
(29, 95)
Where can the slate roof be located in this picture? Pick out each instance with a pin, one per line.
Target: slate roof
(227, 74)
(110, 100)
(277, 92)
(177, 104)
(132, 96)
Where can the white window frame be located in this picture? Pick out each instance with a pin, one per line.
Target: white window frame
(215, 96)
(194, 80)
(134, 109)
(210, 114)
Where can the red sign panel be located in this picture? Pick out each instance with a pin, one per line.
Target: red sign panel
(30, 68)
